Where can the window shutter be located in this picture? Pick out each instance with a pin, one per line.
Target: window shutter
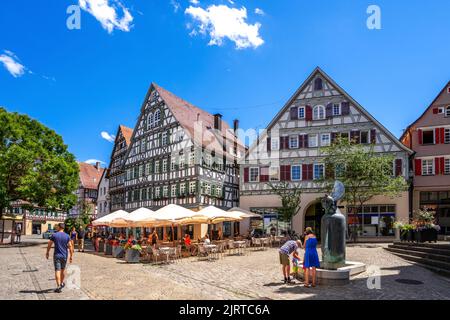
(305, 141)
(437, 166)
(398, 167)
(285, 173)
(294, 113)
(307, 170)
(310, 171)
(420, 136)
(442, 169)
(418, 167)
(329, 110)
(435, 110)
(345, 108)
(442, 134)
(269, 145)
(301, 141)
(246, 174)
(333, 137)
(373, 136)
(169, 137)
(437, 137)
(308, 113)
(264, 174)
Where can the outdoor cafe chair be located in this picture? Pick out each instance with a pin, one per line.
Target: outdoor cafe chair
(202, 253)
(230, 244)
(155, 254)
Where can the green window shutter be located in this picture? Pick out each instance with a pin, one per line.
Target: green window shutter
(198, 186)
(160, 139)
(178, 190)
(169, 140)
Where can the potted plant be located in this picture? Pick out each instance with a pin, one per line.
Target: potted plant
(407, 232)
(426, 229)
(118, 250)
(108, 247)
(132, 253)
(101, 245)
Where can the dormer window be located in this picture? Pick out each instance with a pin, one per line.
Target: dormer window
(318, 84)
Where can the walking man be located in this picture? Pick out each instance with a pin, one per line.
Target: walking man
(81, 236)
(63, 248)
(286, 250)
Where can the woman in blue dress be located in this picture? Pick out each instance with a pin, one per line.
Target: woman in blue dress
(311, 261)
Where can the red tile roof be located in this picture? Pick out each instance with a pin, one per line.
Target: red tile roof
(188, 115)
(127, 133)
(90, 175)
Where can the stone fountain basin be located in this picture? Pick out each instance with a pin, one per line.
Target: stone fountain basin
(340, 276)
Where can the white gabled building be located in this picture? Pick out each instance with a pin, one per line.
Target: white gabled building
(288, 151)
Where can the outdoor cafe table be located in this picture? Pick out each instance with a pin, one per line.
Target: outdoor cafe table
(263, 242)
(210, 248)
(165, 250)
(239, 245)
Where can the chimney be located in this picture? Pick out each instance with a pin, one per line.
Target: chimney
(235, 125)
(235, 144)
(97, 165)
(218, 121)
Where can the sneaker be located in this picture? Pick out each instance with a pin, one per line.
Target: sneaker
(62, 285)
(285, 280)
(57, 290)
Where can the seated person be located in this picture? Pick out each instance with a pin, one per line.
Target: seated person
(207, 241)
(187, 240)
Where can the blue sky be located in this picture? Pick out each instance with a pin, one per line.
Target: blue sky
(83, 82)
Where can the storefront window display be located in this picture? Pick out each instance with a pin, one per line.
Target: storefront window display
(372, 220)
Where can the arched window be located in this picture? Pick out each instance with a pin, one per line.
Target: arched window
(150, 121)
(318, 84)
(319, 113)
(157, 117)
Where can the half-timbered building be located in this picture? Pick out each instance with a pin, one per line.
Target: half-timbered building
(288, 150)
(181, 154)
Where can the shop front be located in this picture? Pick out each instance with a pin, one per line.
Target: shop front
(270, 223)
(371, 221)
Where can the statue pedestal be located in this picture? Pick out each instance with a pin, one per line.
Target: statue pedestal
(338, 277)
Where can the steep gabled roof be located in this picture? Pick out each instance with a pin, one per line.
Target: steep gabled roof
(188, 115)
(127, 133)
(319, 71)
(426, 110)
(90, 175)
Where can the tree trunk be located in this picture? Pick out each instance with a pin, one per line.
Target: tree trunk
(3, 224)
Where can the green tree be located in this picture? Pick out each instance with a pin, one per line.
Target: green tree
(290, 200)
(364, 173)
(83, 219)
(35, 165)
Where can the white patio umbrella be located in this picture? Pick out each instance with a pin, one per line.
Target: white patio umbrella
(108, 219)
(171, 215)
(213, 215)
(141, 217)
(244, 213)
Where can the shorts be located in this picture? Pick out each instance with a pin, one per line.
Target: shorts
(60, 263)
(284, 259)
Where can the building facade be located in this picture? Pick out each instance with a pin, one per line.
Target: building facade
(183, 155)
(429, 137)
(116, 173)
(87, 192)
(103, 200)
(288, 150)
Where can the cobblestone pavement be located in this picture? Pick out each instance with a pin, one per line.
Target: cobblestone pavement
(26, 274)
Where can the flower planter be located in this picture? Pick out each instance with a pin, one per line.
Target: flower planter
(108, 249)
(426, 235)
(118, 252)
(132, 256)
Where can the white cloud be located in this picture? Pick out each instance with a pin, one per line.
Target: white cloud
(260, 11)
(94, 161)
(10, 62)
(194, 1)
(106, 12)
(221, 21)
(108, 137)
(176, 6)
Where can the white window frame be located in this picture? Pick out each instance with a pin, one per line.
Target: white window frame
(208, 159)
(300, 170)
(314, 170)
(319, 112)
(164, 165)
(447, 135)
(157, 192)
(291, 139)
(150, 121)
(447, 111)
(339, 109)
(434, 136)
(182, 188)
(313, 141)
(328, 143)
(446, 166)
(275, 143)
(157, 167)
(274, 173)
(165, 191)
(301, 112)
(250, 174)
(173, 162)
(426, 167)
(157, 118)
(164, 140)
(182, 163)
(192, 187)
(368, 136)
(173, 190)
(191, 159)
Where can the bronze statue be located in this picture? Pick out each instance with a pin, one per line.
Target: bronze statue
(333, 230)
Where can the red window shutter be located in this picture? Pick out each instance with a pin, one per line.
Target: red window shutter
(285, 142)
(269, 145)
(373, 136)
(435, 111)
(305, 172)
(442, 135)
(282, 174)
(437, 138)
(308, 113)
(294, 113)
(437, 166)
(345, 106)
(301, 141)
(442, 165)
(398, 167)
(287, 174)
(246, 174)
(305, 141)
(310, 171)
(418, 167)
(264, 174)
(420, 136)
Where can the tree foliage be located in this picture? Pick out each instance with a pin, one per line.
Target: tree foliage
(364, 172)
(35, 165)
(290, 199)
